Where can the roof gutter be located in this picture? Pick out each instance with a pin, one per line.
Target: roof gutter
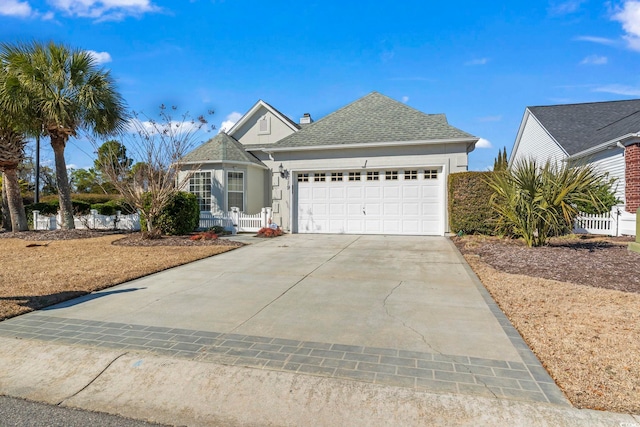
(620, 142)
(226, 162)
(365, 145)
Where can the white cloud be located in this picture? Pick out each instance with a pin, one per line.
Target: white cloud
(232, 119)
(629, 16)
(152, 128)
(490, 118)
(594, 60)
(594, 39)
(104, 10)
(72, 166)
(405, 99)
(619, 90)
(479, 61)
(483, 143)
(566, 7)
(15, 8)
(100, 57)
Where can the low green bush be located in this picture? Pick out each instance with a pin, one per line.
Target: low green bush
(218, 229)
(104, 208)
(181, 215)
(469, 209)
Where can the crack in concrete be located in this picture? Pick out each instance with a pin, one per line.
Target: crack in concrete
(93, 380)
(424, 339)
(292, 286)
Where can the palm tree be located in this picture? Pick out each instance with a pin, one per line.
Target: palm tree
(536, 201)
(12, 144)
(66, 92)
(11, 154)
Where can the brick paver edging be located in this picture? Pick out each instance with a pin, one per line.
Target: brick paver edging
(431, 372)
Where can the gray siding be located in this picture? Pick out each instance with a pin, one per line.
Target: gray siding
(536, 143)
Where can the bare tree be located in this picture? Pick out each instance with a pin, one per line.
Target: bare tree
(156, 149)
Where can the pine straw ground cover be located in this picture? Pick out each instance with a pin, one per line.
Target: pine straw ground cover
(38, 269)
(576, 302)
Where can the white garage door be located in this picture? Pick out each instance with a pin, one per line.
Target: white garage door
(370, 202)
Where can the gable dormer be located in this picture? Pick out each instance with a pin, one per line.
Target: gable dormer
(262, 125)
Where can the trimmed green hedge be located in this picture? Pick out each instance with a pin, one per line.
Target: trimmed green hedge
(181, 215)
(91, 199)
(469, 210)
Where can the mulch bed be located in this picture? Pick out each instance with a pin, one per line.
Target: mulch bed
(584, 261)
(128, 238)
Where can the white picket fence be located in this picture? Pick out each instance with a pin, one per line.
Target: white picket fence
(93, 221)
(616, 223)
(235, 220)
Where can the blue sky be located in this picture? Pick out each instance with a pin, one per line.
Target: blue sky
(481, 63)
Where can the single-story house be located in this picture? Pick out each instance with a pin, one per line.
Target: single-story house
(375, 166)
(604, 134)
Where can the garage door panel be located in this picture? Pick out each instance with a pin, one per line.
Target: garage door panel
(336, 226)
(355, 192)
(354, 209)
(336, 210)
(371, 207)
(410, 209)
(392, 192)
(391, 226)
(373, 193)
(319, 209)
(372, 226)
(410, 191)
(410, 226)
(319, 193)
(337, 192)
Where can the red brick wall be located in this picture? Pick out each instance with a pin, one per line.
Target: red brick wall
(632, 177)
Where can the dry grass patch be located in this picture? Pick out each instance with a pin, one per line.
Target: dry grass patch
(35, 277)
(587, 337)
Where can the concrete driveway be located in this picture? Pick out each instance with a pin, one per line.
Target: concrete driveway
(392, 310)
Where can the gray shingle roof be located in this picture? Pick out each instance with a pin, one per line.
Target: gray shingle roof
(373, 118)
(221, 148)
(578, 127)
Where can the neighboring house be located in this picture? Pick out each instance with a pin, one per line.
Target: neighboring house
(605, 134)
(375, 166)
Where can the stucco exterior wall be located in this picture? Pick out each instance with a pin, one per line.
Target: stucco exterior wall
(249, 132)
(254, 194)
(449, 157)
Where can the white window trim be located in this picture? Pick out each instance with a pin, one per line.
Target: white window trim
(244, 192)
(202, 175)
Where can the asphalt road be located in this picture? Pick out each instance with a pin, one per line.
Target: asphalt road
(23, 413)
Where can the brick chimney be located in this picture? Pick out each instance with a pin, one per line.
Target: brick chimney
(632, 177)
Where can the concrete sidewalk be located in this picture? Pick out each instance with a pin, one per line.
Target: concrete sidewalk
(175, 391)
(390, 326)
